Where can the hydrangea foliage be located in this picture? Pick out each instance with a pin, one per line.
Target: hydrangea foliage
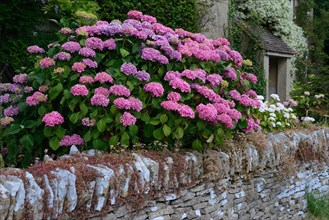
(119, 84)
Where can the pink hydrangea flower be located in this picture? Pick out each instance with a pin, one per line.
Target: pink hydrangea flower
(20, 78)
(214, 79)
(87, 52)
(207, 112)
(102, 91)
(249, 76)
(47, 62)
(11, 111)
(53, 118)
(171, 75)
(182, 85)
(127, 119)
(122, 103)
(110, 44)
(133, 14)
(95, 43)
(143, 76)
(68, 140)
(226, 120)
(155, 88)
(86, 80)
(186, 111)
(252, 125)
(190, 74)
(88, 122)
(90, 63)
(43, 88)
(79, 90)
(170, 105)
(63, 56)
(236, 57)
(128, 69)
(154, 55)
(149, 19)
(119, 90)
(230, 73)
(66, 30)
(78, 67)
(71, 46)
(34, 49)
(135, 104)
(103, 77)
(99, 100)
(36, 98)
(173, 96)
(235, 95)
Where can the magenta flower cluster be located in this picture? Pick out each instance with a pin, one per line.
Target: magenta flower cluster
(36, 98)
(53, 118)
(79, 90)
(74, 139)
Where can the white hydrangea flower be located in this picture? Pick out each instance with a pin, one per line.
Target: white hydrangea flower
(275, 97)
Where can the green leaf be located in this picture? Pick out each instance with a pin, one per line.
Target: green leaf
(74, 117)
(42, 110)
(147, 131)
(55, 91)
(30, 123)
(113, 109)
(179, 133)
(114, 140)
(60, 132)
(95, 133)
(99, 57)
(94, 114)
(130, 85)
(124, 139)
(22, 106)
(154, 122)
(67, 94)
(163, 118)
(220, 132)
(87, 136)
(145, 117)
(124, 52)
(99, 144)
(166, 130)
(13, 129)
(48, 131)
(196, 145)
(83, 109)
(158, 134)
(133, 129)
(54, 143)
(101, 125)
(27, 141)
(201, 125)
(242, 124)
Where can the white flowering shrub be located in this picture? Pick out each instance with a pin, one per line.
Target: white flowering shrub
(275, 115)
(278, 16)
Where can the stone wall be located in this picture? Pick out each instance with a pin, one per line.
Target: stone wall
(256, 180)
(214, 20)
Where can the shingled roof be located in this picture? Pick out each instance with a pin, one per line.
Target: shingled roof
(269, 42)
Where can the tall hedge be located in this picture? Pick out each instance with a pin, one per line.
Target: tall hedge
(172, 13)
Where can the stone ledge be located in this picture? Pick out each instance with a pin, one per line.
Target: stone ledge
(83, 185)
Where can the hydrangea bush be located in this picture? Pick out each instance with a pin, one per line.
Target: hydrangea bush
(120, 84)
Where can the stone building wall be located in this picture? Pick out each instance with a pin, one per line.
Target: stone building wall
(214, 22)
(266, 179)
